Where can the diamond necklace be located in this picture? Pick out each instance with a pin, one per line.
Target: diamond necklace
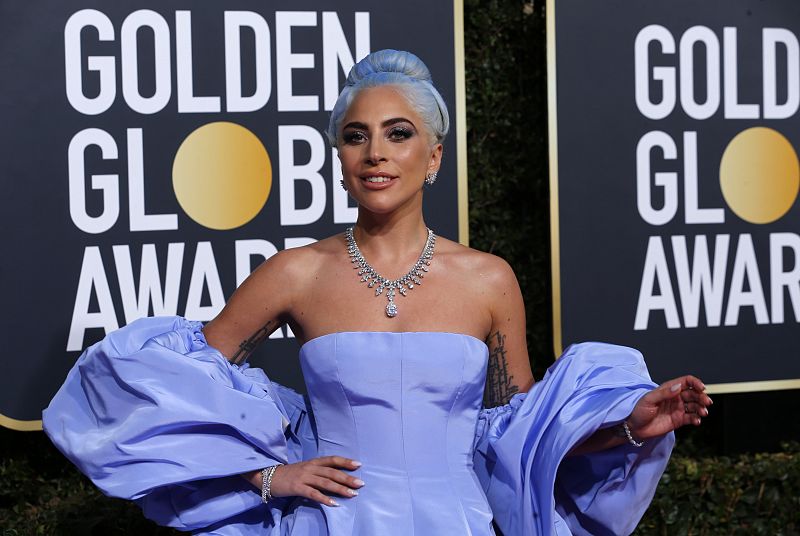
(402, 284)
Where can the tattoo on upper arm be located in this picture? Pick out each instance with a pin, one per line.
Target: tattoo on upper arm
(247, 346)
(499, 383)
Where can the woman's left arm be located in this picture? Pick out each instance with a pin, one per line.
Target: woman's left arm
(672, 404)
(509, 369)
(675, 403)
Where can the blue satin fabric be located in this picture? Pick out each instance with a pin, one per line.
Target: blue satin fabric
(153, 414)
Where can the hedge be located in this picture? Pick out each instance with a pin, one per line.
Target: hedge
(743, 495)
(40, 493)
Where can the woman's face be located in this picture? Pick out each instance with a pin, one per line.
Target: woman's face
(385, 150)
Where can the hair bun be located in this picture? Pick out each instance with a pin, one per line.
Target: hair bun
(389, 61)
(408, 74)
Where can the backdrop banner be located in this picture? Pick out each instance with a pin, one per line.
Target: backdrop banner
(674, 174)
(154, 153)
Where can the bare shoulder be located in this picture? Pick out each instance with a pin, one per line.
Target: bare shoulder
(478, 267)
(266, 299)
(294, 266)
(493, 284)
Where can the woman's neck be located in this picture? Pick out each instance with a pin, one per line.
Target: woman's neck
(389, 240)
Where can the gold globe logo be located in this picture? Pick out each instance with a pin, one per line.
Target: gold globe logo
(759, 175)
(222, 175)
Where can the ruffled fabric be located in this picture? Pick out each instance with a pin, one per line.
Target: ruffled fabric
(521, 449)
(153, 414)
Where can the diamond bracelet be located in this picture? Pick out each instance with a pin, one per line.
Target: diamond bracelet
(266, 481)
(631, 440)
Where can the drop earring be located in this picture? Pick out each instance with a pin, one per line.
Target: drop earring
(344, 186)
(430, 178)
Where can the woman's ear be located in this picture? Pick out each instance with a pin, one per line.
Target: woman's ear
(436, 158)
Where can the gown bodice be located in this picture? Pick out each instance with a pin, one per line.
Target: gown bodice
(406, 406)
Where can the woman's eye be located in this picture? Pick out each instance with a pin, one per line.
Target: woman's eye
(400, 133)
(353, 137)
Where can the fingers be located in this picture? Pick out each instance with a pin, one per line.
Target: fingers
(690, 408)
(695, 401)
(326, 484)
(682, 385)
(692, 383)
(691, 418)
(684, 399)
(316, 495)
(321, 477)
(336, 461)
(342, 483)
(665, 391)
(699, 398)
(686, 383)
(340, 476)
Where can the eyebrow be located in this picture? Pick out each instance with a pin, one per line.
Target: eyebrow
(387, 123)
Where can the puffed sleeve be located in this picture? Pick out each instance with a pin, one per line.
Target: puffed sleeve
(153, 414)
(520, 449)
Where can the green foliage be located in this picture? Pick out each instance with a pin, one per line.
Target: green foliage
(744, 495)
(42, 494)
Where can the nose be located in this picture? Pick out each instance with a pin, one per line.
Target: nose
(375, 152)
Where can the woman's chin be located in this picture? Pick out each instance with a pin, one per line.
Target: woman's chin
(383, 203)
(379, 208)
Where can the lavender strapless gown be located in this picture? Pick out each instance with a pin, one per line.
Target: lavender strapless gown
(153, 414)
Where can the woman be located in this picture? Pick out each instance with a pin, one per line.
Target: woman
(393, 438)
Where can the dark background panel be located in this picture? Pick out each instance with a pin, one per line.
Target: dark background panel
(44, 249)
(603, 239)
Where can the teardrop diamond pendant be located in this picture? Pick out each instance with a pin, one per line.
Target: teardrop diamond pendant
(402, 285)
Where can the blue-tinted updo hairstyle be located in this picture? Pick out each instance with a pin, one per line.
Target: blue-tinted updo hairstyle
(409, 75)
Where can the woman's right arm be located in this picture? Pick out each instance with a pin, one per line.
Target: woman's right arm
(259, 306)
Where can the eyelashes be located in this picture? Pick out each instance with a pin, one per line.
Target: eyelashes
(400, 133)
(354, 137)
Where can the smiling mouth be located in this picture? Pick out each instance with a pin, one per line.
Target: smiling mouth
(377, 179)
